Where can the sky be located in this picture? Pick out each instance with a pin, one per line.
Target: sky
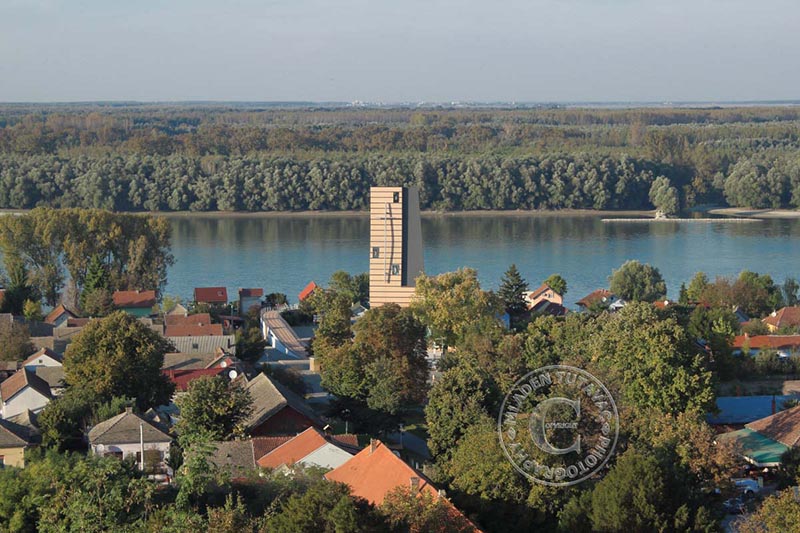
(400, 50)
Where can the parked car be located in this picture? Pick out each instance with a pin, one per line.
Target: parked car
(747, 486)
(734, 506)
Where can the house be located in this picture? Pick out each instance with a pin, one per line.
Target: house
(42, 358)
(787, 317)
(197, 319)
(137, 303)
(178, 310)
(193, 330)
(129, 435)
(249, 298)
(211, 295)
(785, 345)
(182, 378)
(310, 448)
(376, 471)
(546, 307)
(197, 361)
(277, 410)
(307, 291)
(236, 457)
(22, 392)
(544, 293)
(204, 344)
(281, 336)
(14, 440)
(58, 316)
(601, 297)
(764, 441)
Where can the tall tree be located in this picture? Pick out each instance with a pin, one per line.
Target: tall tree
(512, 291)
(214, 408)
(638, 282)
(557, 283)
(119, 356)
(18, 290)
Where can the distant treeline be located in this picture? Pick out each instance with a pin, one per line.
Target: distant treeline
(202, 158)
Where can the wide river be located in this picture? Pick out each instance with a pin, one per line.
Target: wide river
(282, 254)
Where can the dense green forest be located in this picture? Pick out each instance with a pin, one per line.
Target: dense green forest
(246, 158)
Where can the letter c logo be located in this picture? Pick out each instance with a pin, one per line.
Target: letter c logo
(539, 419)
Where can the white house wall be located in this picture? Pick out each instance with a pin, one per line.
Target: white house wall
(326, 456)
(26, 399)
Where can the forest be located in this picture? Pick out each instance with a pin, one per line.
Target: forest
(248, 158)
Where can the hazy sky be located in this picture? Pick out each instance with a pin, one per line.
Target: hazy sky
(399, 50)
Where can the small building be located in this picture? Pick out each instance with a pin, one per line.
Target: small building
(198, 361)
(44, 357)
(24, 391)
(277, 410)
(185, 330)
(736, 411)
(764, 441)
(14, 440)
(197, 319)
(178, 310)
(307, 291)
(129, 435)
(281, 336)
(182, 378)
(785, 345)
(59, 316)
(310, 448)
(787, 317)
(204, 343)
(601, 297)
(544, 293)
(249, 298)
(211, 295)
(137, 303)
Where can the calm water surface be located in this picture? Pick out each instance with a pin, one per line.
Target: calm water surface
(282, 254)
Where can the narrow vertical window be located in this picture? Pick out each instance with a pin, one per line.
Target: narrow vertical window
(376, 252)
(396, 197)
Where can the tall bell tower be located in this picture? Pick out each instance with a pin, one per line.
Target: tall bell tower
(395, 240)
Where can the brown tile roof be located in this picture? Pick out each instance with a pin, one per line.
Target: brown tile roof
(19, 380)
(195, 361)
(13, 435)
(263, 445)
(539, 290)
(269, 397)
(375, 471)
(786, 317)
(774, 342)
(251, 293)
(593, 297)
(78, 322)
(57, 311)
(783, 426)
(125, 429)
(42, 352)
(182, 378)
(235, 456)
(306, 292)
(52, 375)
(295, 449)
(136, 299)
(197, 319)
(211, 295)
(185, 330)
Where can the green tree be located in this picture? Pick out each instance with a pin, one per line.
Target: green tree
(214, 408)
(97, 303)
(664, 196)
(638, 282)
(96, 279)
(512, 292)
(697, 287)
(32, 311)
(325, 506)
(18, 290)
(790, 289)
(557, 283)
(780, 512)
(119, 356)
(15, 341)
(422, 512)
(356, 287)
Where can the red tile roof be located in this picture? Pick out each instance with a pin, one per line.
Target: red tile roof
(774, 342)
(136, 299)
(198, 319)
(182, 378)
(57, 311)
(297, 447)
(593, 297)
(306, 292)
(19, 380)
(375, 471)
(783, 426)
(542, 288)
(662, 304)
(251, 293)
(263, 445)
(211, 295)
(186, 330)
(786, 317)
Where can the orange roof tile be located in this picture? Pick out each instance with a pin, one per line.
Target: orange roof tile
(134, 298)
(197, 319)
(19, 380)
(774, 342)
(195, 330)
(783, 427)
(57, 311)
(293, 450)
(594, 296)
(785, 317)
(306, 292)
(263, 445)
(211, 295)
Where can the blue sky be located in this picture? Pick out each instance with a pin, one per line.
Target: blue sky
(390, 51)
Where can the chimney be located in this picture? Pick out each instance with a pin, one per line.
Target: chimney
(373, 444)
(414, 484)
(129, 410)
(773, 404)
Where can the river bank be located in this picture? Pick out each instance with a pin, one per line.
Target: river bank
(755, 213)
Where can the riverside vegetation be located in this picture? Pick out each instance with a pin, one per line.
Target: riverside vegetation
(246, 158)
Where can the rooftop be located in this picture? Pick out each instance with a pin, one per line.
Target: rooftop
(137, 298)
(783, 426)
(19, 380)
(211, 295)
(126, 428)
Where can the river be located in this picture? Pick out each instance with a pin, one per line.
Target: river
(283, 253)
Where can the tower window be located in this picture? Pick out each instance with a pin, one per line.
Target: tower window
(396, 197)
(395, 270)
(376, 252)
